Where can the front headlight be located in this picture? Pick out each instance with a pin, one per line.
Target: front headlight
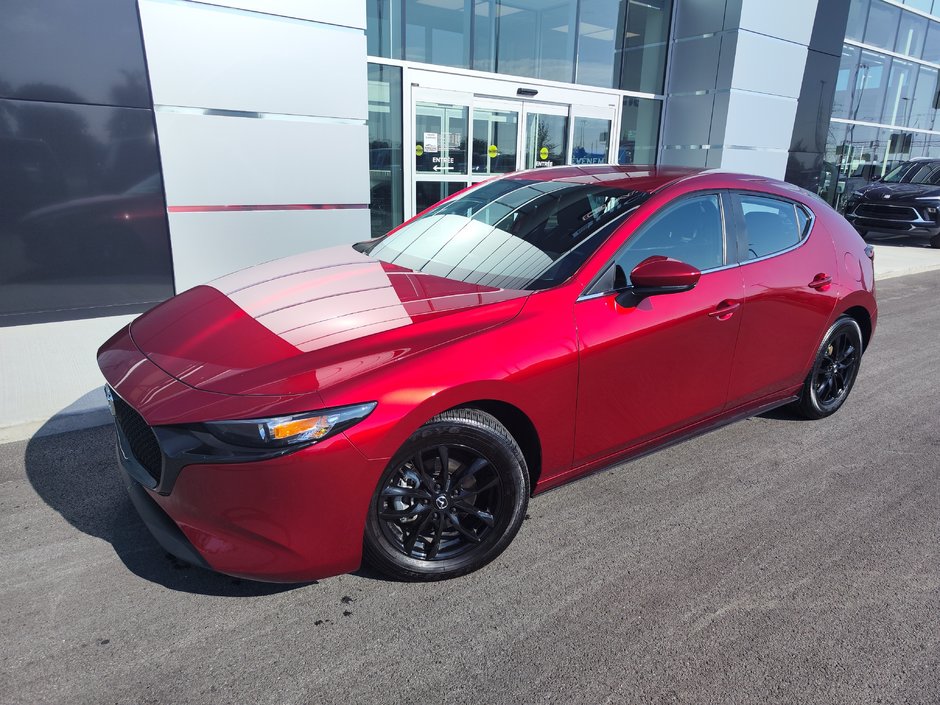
(935, 199)
(856, 194)
(296, 429)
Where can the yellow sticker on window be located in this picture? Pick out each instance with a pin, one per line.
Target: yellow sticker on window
(419, 150)
(543, 153)
(493, 151)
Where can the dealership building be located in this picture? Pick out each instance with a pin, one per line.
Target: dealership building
(148, 146)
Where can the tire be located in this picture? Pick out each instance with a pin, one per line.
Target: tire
(935, 241)
(424, 525)
(835, 369)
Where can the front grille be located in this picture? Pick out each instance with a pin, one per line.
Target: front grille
(140, 437)
(886, 212)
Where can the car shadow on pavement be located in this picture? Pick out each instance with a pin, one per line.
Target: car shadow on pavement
(76, 473)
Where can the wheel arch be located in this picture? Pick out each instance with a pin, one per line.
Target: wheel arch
(861, 316)
(520, 427)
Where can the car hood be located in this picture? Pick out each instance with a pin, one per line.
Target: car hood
(300, 324)
(891, 192)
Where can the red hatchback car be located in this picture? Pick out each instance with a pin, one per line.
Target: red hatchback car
(401, 399)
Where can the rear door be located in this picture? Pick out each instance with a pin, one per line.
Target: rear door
(786, 263)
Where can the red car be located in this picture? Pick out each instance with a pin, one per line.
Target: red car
(402, 398)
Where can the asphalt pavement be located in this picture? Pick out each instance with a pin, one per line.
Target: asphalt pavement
(773, 561)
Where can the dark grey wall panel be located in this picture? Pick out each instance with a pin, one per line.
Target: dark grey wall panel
(83, 226)
(74, 52)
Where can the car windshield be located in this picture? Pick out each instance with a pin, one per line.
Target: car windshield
(511, 233)
(914, 173)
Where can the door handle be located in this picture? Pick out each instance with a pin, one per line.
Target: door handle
(725, 310)
(820, 282)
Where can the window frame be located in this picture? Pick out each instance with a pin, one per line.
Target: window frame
(741, 226)
(729, 241)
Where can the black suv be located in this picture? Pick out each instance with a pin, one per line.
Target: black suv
(906, 200)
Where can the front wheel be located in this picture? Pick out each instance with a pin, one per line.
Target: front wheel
(935, 241)
(834, 371)
(450, 501)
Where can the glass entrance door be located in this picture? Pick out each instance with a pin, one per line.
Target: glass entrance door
(463, 138)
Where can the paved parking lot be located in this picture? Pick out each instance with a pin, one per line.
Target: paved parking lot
(774, 561)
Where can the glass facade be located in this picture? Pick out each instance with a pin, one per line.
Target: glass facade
(385, 148)
(885, 103)
(606, 43)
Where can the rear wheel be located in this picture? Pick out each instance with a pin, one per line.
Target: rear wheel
(450, 500)
(834, 371)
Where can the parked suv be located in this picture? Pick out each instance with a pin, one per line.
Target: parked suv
(906, 200)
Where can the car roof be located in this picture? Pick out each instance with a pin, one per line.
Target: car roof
(648, 178)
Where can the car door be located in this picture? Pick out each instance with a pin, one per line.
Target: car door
(786, 267)
(664, 362)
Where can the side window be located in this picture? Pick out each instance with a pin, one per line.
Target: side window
(772, 225)
(690, 231)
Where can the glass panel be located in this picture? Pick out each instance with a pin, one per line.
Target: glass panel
(922, 113)
(525, 39)
(440, 138)
(858, 13)
(900, 91)
(590, 140)
(597, 29)
(383, 28)
(870, 82)
(546, 142)
(922, 5)
(385, 148)
(911, 34)
(644, 49)
(882, 25)
(639, 131)
(689, 231)
(494, 141)
(771, 225)
(932, 44)
(842, 101)
(427, 193)
(437, 32)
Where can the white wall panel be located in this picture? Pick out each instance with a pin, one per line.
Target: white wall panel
(755, 161)
(208, 245)
(339, 12)
(768, 65)
(759, 120)
(209, 57)
(214, 160)
(791, 20)
(70, 382)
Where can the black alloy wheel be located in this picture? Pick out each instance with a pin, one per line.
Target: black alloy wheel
(834, 370)
(450, 501)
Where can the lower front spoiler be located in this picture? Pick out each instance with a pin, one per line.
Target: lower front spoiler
(164, 529)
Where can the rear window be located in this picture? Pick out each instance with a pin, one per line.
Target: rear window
(772, 224)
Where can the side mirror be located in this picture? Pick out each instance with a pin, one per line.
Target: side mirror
(659, 275)
(876, 177)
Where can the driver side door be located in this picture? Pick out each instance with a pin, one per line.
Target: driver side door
(664, 362)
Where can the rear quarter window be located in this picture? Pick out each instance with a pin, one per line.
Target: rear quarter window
(772, 225)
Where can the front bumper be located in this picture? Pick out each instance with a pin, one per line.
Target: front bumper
(898, 217)
(289, 518)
